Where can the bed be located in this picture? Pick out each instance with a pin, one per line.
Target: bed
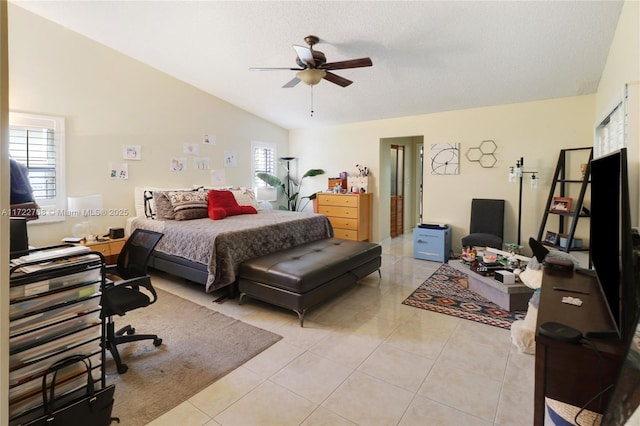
(210, 251)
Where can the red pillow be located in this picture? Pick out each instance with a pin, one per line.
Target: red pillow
(223, 203)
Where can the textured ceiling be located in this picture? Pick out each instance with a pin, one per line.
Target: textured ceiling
(428, 56)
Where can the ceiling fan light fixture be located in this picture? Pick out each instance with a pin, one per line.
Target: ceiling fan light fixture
(311, 76)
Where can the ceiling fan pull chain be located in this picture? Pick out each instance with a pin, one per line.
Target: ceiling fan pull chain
(311, 101)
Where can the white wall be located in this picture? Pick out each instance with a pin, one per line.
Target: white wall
(110, 100)
(534, 130)
(623, 67)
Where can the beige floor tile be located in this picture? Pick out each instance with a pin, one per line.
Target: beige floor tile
(366, 400)
(423, 411)
(302, 374)
(364, 358)
(476, 356)
(323, 417)
(221, 394)
(348, 349)
(398, 367)
(468, 391)
(273, 359)
(185, 414)
(268, 404)
(420, 339)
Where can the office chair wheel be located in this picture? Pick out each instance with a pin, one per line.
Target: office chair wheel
(157, 342)
(122, 369)
(131, 331)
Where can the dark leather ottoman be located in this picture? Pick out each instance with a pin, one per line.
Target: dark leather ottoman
(303, 276)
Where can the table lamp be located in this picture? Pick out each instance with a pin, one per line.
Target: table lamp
(84, 206)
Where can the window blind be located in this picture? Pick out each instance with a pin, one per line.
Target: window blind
(36, 149)
(264, 162)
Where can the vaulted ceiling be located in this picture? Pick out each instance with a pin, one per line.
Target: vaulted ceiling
(428, 56)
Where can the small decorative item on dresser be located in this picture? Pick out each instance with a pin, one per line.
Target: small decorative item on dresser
(551, 238)
(561, 205)
(116, 233)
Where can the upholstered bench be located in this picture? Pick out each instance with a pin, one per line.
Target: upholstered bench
(303, 276)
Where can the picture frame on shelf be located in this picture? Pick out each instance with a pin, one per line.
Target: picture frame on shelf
(561, 205)
(551, 238)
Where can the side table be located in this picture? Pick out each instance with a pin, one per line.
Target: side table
(110, 249)
(432, 243)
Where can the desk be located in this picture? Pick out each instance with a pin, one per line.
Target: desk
(569, 372)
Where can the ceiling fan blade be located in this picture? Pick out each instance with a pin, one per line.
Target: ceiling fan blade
(275, 69)
(340, 81)
(305, 55)
(351, 63)
(292, 83)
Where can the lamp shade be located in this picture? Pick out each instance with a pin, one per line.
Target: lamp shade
(311, 76)
(87, 205)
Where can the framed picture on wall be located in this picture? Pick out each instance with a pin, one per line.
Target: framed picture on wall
(561, 205)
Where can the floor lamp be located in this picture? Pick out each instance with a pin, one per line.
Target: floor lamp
(516, 173)
(288, 189)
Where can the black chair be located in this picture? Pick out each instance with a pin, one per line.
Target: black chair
(487, 224)
(122, 293)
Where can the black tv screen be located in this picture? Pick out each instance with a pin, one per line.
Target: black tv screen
(611, 238)
(18, 237)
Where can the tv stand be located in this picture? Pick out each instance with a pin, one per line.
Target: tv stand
(568, 372)
(603, 334)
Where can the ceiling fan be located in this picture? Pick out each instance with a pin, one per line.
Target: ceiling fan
(313, 66)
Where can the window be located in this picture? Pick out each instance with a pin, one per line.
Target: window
(264, 161)
(38, 142)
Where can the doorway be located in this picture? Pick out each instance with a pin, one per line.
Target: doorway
(396, 226)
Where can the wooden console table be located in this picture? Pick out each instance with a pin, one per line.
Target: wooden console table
(574, 373)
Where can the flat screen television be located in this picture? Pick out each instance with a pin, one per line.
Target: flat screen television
(611, 241)
(18, 237)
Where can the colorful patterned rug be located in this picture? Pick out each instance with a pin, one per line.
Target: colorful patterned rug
(445, 292)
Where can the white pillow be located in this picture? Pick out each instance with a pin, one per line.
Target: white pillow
(139, 194)
(245, 197)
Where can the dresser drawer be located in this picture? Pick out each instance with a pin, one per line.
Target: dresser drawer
(346, 234)
(105, 248)
(338, 200)
(349, 212)
(343, 223)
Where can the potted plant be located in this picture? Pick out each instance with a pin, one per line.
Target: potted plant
(291, 188)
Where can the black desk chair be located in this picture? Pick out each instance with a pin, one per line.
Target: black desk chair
(487, 224)
(123, 291)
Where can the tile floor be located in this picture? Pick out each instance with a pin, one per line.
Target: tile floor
(365, 359)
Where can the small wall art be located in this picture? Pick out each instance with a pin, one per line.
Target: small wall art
(218, 177)
(202, 163)
(178, 164)
(131, 152)
(191, 148)
(230, 159)
(209, 139)
(119, 171)
(445, 159)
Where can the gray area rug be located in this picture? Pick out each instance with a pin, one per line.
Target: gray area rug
(199, 347)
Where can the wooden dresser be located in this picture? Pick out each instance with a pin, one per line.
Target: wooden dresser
(349, 214)
(110, 249)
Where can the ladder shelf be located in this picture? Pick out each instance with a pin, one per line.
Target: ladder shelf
(561, 188)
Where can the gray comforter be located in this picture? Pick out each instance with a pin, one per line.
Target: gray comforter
(223, 244)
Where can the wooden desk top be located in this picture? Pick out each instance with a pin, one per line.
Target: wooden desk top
(592, 316)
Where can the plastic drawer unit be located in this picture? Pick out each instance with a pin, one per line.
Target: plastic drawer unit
(432, 243)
